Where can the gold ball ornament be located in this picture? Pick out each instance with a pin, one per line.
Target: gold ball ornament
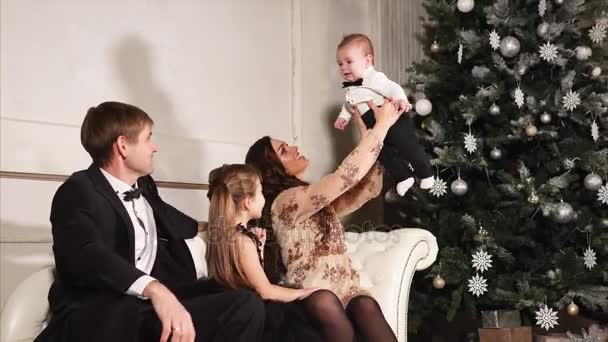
(572, 309)
(531, 130)
(435, 47)
(438, 282)
(533, 198)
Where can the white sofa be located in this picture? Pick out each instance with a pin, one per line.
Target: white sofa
(386, 261)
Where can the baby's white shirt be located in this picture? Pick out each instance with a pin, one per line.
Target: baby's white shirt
(376, 86)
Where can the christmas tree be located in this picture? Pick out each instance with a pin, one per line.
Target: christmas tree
(519, 135)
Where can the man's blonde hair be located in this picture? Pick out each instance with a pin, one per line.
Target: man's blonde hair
(359, 40)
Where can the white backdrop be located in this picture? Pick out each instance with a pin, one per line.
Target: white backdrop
(214, 75)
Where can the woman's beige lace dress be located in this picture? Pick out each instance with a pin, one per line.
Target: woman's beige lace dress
(300, 215)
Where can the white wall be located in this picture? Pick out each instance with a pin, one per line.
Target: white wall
(214, 75)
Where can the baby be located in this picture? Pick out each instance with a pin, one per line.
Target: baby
(402, 151)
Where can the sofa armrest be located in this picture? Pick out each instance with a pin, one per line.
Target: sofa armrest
(386, 263)
(25, 312)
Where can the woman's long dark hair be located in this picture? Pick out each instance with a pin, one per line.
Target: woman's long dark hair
(274, 181)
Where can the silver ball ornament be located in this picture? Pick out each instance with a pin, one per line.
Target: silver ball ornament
(545, 118)
(568, 164)
(438, 282)
(583, 53)
(593, 182)
(596, 72)
(604, 223)
(533, 198)
(423, 107)
(542, 29)
(551, 274)
(494, 109)
(495, 153)
(558, 2)
(531, 130)
(509, 46)
(435, 47)
(459, 187)
(465, 6)
(563, 212)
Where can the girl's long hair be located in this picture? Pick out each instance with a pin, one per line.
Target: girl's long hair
(229, 185)
(274, 181)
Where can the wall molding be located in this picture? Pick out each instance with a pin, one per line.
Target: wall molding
(47, 177)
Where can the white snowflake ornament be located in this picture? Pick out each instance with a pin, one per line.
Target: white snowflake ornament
(482, 261)
(546, 318)
(519, 97)
(460, 53)
(589, 258)
(597, 33)
(478, 285)
(602, 194)
(439, 188)
(542, 7)
(595, 131)
(548, 52)
(470, 144)
(494, 40)
(571, 100)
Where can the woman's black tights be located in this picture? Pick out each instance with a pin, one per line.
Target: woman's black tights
(362, 320)
(369, 322)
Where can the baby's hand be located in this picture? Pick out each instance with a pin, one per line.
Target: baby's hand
(403, 105)
(340, 123)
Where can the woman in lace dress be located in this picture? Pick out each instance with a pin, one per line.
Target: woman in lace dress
(306, 243)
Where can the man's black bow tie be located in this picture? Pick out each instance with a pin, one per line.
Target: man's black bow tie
(358, 82)
(132, 194)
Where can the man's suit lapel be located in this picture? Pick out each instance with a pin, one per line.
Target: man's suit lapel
(105, 189)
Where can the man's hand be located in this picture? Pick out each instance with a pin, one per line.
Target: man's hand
(403, 105)
(175, 320)
(340, 123)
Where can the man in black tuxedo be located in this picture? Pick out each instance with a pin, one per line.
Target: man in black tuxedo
(123, 269)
